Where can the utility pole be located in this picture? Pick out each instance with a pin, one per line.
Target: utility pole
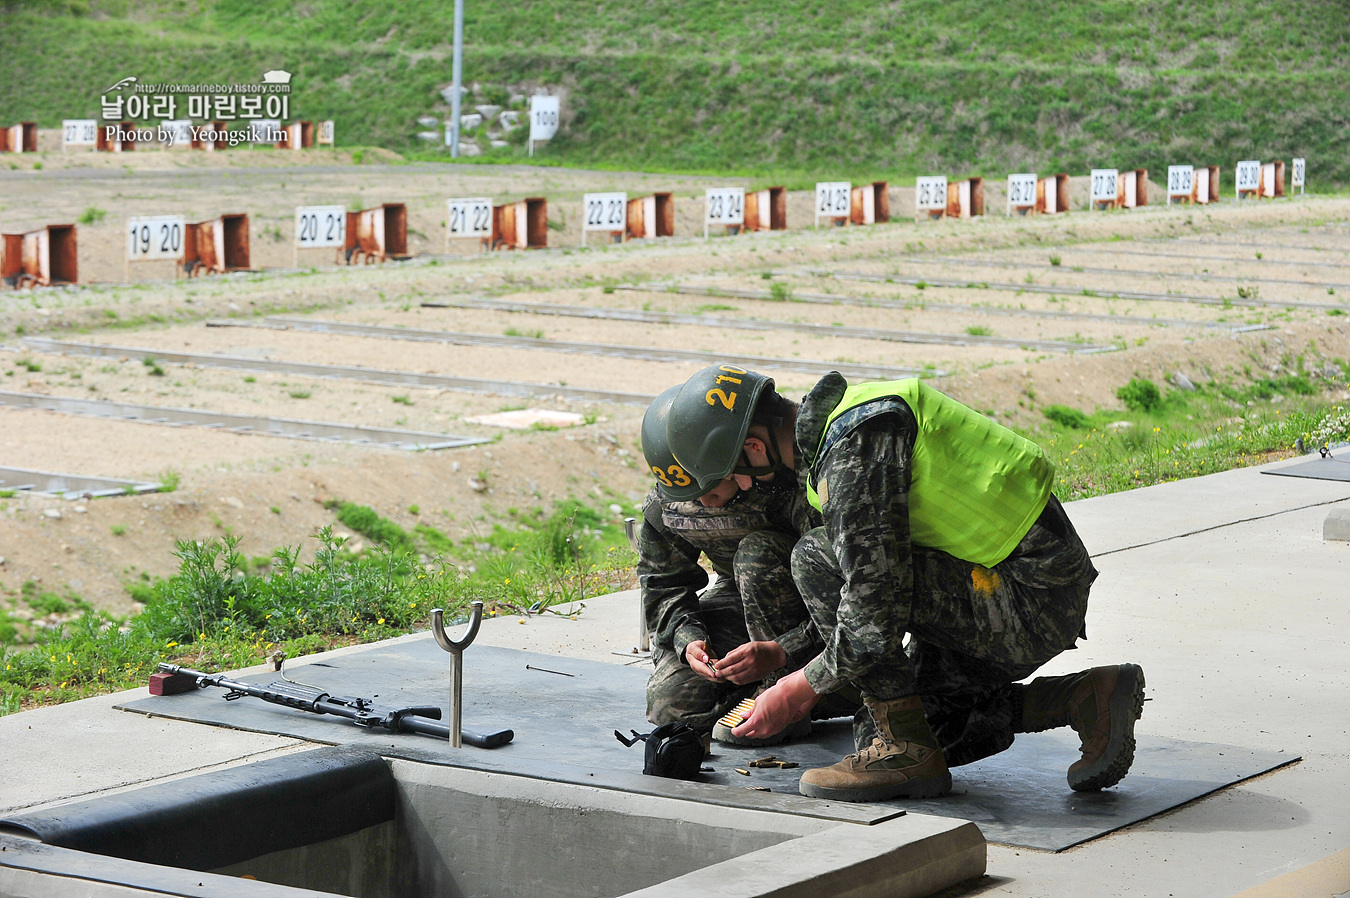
(459, 71)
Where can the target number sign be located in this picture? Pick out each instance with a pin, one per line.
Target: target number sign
(1105, 185)
(469, 217)
(725, 205)
(1248, 175)
(1300, 171)
(179, 130)
(605, 211)
(320, 227)
(1180, 180)
(833, 199)
(79, 132)
(1022, 190)
(155, 237)
(930, 194)
(543, 116)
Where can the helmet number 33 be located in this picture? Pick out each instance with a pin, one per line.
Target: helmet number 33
(717, 394)
(675, 476)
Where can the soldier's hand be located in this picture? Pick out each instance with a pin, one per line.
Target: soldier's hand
(696, 655)
(787, 701)
(751, 662)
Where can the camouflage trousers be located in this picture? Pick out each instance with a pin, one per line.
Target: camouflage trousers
(760, 603)
(973, 632)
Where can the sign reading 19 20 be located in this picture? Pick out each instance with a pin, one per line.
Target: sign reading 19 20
(154, 237)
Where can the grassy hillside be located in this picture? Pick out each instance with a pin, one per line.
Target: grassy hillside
(796, 86)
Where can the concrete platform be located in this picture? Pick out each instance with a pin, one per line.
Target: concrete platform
(1222, 587)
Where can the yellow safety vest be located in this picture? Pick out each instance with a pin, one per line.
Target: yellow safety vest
(975, 486)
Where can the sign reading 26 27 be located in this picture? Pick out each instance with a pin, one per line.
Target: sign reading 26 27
(1022, 189)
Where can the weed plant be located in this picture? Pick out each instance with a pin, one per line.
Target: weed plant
(1178, 434)
(221, 611)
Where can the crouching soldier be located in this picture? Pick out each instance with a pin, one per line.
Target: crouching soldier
(714, 647)
(939, 524)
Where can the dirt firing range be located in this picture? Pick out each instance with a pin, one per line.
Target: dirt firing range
(978, 305)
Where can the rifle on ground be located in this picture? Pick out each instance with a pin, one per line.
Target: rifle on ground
(173, 679)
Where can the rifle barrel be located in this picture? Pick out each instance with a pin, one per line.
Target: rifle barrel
(315, 701)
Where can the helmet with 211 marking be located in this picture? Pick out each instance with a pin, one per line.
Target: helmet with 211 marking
(710, 417)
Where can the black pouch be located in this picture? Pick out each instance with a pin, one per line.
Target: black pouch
(674, 750)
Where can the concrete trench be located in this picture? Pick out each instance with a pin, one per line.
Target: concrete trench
(376, 827)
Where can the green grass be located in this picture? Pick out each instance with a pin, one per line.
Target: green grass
(900, 89)
(221, 611)
(1186, 434)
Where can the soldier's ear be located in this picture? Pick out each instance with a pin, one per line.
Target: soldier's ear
(755, 444)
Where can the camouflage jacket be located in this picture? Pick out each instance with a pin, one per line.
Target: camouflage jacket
(674, 534)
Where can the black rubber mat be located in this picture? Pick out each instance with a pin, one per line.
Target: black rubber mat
(1334, 466)
(564, 728)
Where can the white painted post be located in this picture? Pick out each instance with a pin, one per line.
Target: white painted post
(457, 72)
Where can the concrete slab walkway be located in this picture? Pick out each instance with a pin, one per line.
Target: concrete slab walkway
(1222, 587)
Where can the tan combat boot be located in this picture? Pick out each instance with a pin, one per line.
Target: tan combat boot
(1101, 705)
(903, 761)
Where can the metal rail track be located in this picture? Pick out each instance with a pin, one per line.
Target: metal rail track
(880, 302)
(343, 372)
(1190, 241)
(759, 324)
(71, 486)
(1140, 252)
(1060, 291)
(641, 353)
(289, 428)
(1077, 269)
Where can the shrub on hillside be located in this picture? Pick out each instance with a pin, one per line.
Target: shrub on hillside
(1065, 416)
(1140, 395)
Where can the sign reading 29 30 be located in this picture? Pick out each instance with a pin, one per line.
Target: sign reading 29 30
(155, 237)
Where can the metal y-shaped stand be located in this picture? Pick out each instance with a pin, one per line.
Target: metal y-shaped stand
(456, 649)
(644, 646)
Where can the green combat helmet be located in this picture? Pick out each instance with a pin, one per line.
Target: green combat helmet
(709, 419)
(671, 479)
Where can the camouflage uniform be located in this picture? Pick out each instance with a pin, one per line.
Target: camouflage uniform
(973, 631)
(748, 543)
